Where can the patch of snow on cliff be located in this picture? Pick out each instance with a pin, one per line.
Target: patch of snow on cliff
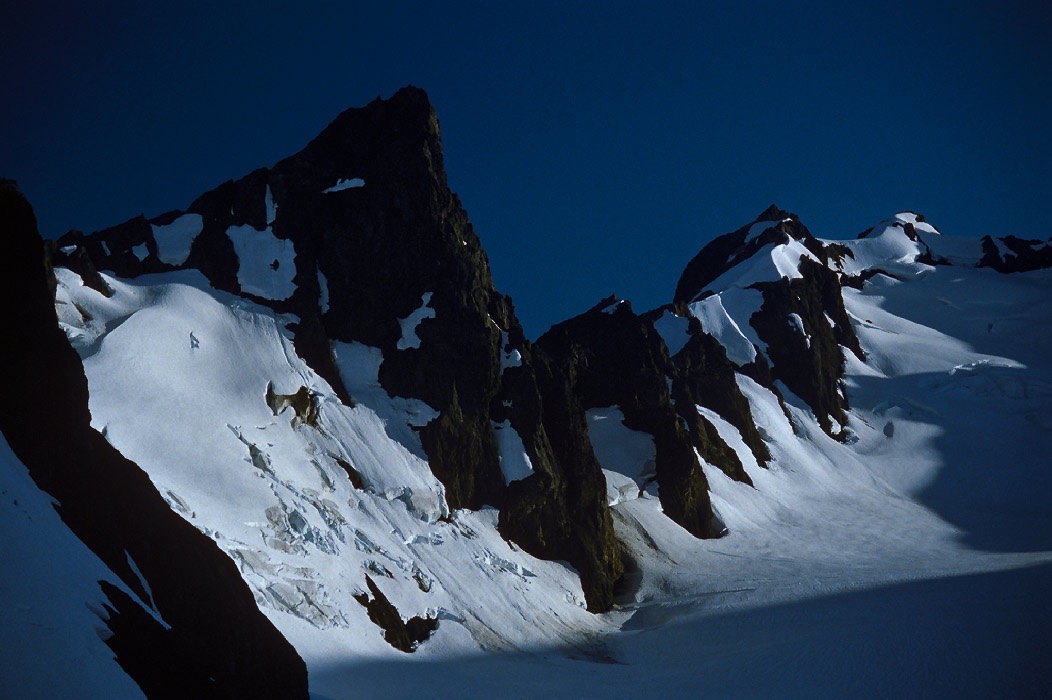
(514, 462)
(267, 264)
(409, 324)
(619, 448)
(175, 239)
(272, 208)
(733, 331)
(797, 324)
(343, 184)
(508, 358)
(323, 287)
(674, 330)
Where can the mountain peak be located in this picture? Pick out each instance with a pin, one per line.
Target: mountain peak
(774, 226)
(774, 213)
(439, 473)
(408, 106)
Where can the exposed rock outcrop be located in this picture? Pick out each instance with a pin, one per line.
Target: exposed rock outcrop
(802, 319)
(1015, 254)
(404, 635)
(560, 511)
(616, 358)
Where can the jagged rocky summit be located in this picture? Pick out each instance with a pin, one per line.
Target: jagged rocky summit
(378, 362)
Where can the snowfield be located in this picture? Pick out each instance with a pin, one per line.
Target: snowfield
(914, 561)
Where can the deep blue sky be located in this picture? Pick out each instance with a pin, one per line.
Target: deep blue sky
(596, 145)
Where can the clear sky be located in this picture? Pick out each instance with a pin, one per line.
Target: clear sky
(596, 145)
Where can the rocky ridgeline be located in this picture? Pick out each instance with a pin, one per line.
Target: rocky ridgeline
(360, 236)
(806, 358)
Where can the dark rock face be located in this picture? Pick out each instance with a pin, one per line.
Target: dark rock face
(219, 645)
(613, 356)
(705, 377)
(618, 359)
(303, 404)
(72, 253)
(386, 247)
(803, 320)
(560, 511)
(1022, 255)
(404, 635)
(805, 353)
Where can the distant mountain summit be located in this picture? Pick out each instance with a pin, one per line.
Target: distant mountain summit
(303, 401)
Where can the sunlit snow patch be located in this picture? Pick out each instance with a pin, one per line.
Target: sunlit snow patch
(359, 367)
(768, 264)
(343, 184)
(267, 263)
(622, 452)
(514, 461)
(757, 229)
(175, 239)
(908, 217)
(797, 325)
(740, 340)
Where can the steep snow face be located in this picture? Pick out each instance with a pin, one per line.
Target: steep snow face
(717, 314)
(51, 606)
(769, 264)
(178, 378)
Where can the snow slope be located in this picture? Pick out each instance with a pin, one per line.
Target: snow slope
(51, 606)
(275, 497)
(911, 561)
